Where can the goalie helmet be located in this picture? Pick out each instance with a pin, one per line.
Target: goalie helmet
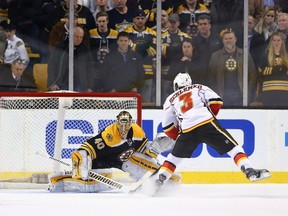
(181, 80)
(124, 120)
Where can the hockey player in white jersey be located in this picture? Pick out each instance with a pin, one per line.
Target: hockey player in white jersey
(189, 118)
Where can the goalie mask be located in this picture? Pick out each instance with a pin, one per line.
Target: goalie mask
(181, 80)
(123, 122)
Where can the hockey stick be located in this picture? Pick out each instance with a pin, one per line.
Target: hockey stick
(107, 181)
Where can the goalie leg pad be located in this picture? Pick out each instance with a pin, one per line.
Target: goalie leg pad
(81, 164)
(58, 182)
(138, 164)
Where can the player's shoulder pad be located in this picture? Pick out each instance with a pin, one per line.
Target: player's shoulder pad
(137, 131)
(111, 135)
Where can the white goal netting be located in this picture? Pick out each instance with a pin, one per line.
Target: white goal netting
(37, 126)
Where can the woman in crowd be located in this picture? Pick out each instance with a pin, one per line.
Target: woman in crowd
(267, 24)
(187, 63)
(273, 73)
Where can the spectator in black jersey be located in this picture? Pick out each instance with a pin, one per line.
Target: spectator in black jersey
(188, 12)
(273, 73)
(102, 38)
(143, 41)
(15, 79)
(150, 8)
(122, 69)
(120, 17)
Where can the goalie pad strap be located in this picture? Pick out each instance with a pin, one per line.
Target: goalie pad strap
(138, 165)
(145, 163)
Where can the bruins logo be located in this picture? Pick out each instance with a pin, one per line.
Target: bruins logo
(124, 156)
(109, 137)
(231, 64)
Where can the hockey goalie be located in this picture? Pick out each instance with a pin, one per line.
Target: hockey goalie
(122, 145)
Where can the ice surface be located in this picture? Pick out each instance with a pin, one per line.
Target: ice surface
(194, 199)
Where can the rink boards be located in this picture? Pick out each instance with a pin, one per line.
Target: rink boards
(263, 134)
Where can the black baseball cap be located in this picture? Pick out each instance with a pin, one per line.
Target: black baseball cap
(139, 13)
(8, 25)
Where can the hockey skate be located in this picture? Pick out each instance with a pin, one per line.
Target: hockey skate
(255, 174)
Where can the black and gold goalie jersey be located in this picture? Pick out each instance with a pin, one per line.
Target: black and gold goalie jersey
(107, 149)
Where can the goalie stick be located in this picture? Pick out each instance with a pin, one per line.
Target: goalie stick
(107, 181)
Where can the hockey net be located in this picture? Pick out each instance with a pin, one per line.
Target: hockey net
(36, 126)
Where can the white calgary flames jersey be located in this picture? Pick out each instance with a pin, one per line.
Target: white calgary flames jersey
(186, 108)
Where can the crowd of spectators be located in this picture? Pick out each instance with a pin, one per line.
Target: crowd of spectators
(201, 37)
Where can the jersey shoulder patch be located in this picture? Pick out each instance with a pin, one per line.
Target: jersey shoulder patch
(111, 135)
(19, 43)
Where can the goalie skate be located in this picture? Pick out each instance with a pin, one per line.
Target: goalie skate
(255, 174)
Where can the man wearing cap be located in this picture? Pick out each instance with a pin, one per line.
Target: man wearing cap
(143, 41)
(14, 47)
(226, 71)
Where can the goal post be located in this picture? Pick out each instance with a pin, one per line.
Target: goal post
(53, 124)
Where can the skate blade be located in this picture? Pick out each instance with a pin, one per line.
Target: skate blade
(263, 175)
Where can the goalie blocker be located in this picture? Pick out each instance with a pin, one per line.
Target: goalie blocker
(122, 145)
